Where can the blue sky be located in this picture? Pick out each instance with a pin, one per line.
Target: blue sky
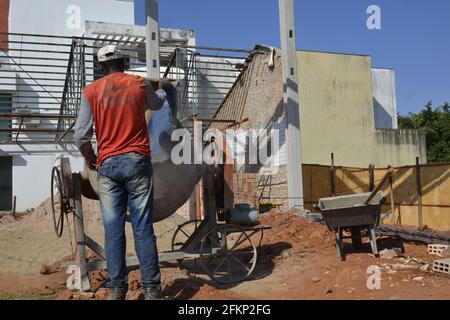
(414, 38)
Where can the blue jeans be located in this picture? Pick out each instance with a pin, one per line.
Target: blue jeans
(123, 180)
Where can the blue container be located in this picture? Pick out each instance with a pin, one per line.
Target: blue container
(244, 214)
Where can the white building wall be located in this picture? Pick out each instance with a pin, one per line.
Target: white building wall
(32, 164)
(31, 177)
(66, 17)
(384, 98)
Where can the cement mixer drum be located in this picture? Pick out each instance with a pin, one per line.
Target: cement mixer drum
(174, 184)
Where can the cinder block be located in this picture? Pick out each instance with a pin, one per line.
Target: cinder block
(437, 249)
(442, 266)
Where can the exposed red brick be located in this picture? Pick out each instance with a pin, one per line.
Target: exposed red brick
(4, 23)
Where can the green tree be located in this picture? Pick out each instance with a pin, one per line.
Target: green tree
(436, 125)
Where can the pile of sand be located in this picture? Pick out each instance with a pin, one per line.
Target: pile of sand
(30, 241)
(289, 226)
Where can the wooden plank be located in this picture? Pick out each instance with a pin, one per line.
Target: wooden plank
(379, 186)
(419, 193)
(332, 177)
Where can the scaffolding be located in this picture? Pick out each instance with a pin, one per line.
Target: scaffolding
(43, 76)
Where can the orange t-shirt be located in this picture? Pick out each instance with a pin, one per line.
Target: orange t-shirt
(118, 103)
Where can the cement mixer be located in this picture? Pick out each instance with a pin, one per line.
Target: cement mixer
(225, 250)
(170, 193)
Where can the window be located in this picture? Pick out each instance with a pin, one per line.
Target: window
(6, 165)
(5, 107)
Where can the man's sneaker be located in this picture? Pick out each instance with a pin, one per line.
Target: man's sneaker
(153, 294)
(117, 294)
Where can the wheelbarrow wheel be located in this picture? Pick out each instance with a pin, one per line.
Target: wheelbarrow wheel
(58, 202)
(182, 234)
(227, 254)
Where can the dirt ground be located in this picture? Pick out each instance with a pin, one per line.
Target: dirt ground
(296, 260)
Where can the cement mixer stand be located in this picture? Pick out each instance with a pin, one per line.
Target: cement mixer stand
(225, 251)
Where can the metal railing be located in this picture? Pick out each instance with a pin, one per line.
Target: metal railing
(45, 76)
(73, 89)
(205, 78)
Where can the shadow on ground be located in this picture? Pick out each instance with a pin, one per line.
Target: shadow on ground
(186, 288)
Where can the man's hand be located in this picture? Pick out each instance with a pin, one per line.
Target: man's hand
(91, 164)
(164, 84)
(90, 158)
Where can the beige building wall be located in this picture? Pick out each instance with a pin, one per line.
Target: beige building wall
(337, 115)
(336, 110)
(399, 147)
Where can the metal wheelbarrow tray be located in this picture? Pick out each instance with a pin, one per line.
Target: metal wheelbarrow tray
(345, 212)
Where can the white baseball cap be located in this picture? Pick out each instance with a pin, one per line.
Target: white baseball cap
(109, 52)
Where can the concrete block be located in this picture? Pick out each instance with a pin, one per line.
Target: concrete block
(390, 253)
(424, 267)
(446, 252)
(442, 266)
(437, 249)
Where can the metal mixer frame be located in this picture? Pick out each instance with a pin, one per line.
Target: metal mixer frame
(209, 242)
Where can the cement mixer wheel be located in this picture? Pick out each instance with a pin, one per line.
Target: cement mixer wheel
(227, 254)
(182, 234)
(59, 202)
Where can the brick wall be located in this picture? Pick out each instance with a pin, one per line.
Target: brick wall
(245, 188)
(273, 188)
(251, 187)
(258, 95)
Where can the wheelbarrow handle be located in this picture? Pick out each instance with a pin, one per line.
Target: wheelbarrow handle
(379, 186)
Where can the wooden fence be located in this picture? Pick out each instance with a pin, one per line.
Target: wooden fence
(411, 201)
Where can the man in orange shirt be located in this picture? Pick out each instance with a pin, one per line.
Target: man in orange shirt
(116, 104)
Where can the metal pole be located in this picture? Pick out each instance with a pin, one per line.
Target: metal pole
(228, 173)
(198, 188)
(391, 191)
(291, 104)
(332, 177)
(419, 192)
(152, 42)
(371, 177)
(14, 207)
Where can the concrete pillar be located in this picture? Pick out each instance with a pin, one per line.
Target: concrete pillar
(291, 104)
(152, 43)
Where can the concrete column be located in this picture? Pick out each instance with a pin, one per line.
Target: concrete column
(152, 43)
(291, 104)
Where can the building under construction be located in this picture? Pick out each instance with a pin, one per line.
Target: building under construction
(295, 180)
(347, 106)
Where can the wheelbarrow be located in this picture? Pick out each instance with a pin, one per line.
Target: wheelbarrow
(352, 212)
